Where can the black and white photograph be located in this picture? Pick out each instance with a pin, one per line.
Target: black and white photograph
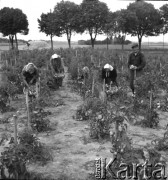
(83, 89)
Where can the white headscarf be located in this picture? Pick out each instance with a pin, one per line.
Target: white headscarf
(108, 66)
(85, 69)
(55, 56)
(26, 68)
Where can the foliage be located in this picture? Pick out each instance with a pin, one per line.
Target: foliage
(93, 19)
(68, 15)
(13, 160)
(119, 139)
(4, 98)
(124, 152)
(100, 118)
(119, 25)
(31, 149)
(82, 113)
(161, 144)
(144, 21)
(49, 24)
(164, 15)
(13, 21)
(73, 68)
(12, 165)
(151, 119)
(38, 121)
(109, 28)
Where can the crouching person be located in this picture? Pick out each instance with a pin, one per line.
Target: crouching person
(109, 74)
(57, 69)
(85, 73)
(30, 76)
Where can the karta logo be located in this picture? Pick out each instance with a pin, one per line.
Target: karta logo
(131, 171)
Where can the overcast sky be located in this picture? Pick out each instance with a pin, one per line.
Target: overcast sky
(34, 8)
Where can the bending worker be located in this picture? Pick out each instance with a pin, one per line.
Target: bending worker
(30, 75)
(57, 68)
(109, 73)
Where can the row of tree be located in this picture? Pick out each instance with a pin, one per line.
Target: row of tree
(91, 16)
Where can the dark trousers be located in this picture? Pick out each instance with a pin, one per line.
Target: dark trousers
(132, 78)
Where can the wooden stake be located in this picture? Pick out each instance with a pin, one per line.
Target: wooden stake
(93, 86)
(122, 68)
(104, 91)
(151, 98)
(103, 85)
(99, 62)
(110, 86)
(15, 129)
(91, 59)
(38, 88)
(28, 110)
(134, 78)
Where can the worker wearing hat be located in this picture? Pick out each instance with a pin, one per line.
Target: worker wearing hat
(136, 63)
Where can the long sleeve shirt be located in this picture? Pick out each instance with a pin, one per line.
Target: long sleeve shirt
(137, 60)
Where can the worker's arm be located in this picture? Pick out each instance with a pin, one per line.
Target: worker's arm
(129, 61)
(35, 77)
(24, 78)
(52, 69)
(143, 62)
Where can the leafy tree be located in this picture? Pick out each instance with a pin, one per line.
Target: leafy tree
(109, 28)
(121, 23)
(13, 21)
(94, 15)
(164, 15)
(68, 15)
(49, 25)
(144, 21)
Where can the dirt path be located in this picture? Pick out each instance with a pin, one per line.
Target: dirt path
(74, 152)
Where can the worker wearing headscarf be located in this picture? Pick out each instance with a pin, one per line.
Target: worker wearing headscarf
(109, 73)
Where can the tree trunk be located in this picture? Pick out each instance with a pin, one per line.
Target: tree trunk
(11, 41)
(51, 41)
(69, 42)
(107, 43)
(139, 40)
(123, 40)
(16, 42)
(92, 42)
(122, 46)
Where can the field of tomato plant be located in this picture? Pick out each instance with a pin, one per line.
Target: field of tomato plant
(74, 125)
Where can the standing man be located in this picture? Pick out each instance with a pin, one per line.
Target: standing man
(136, 63)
